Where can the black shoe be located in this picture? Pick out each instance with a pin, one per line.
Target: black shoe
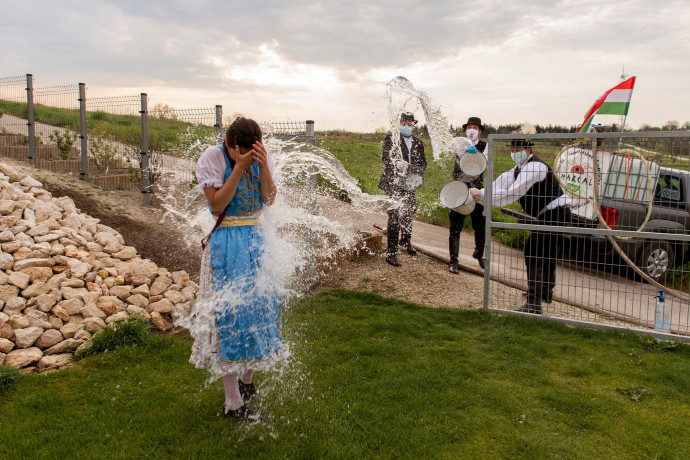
(244, 414)
(393, 260)
(247, 390)
(534, 309)
(477, 255)
(411, 251)
(453, 267)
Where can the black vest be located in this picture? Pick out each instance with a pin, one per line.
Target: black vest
(541, 193)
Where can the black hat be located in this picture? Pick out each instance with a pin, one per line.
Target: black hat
(408, 116)
(474, 121)
(521, 143)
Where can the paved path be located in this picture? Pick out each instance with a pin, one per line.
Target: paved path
(615, 299)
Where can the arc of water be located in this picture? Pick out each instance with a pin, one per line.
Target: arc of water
(437, 124)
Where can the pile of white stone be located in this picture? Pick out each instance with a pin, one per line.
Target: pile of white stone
(64, 277)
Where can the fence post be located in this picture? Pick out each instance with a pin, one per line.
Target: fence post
(83, 135)
(30, 118)
(219, 124)
(310, 131)
(145, 178)
(310, 128)
(488, 203)
(311, 237)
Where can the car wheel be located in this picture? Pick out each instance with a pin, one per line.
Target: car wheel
(656, 260)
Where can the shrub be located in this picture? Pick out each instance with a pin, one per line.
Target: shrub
(679, 277)
(64, 142)
(8, 377)
(116, 335)
(191, 143)
(103, 151)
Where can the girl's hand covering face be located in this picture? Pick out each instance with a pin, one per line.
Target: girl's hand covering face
(244, 160)
(260, 154)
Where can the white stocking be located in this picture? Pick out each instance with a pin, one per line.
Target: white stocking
(233, 400)
(247, 377)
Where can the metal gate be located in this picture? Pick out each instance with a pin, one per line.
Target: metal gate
(631, 188)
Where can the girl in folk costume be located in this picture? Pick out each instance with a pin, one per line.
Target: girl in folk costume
(235, 323)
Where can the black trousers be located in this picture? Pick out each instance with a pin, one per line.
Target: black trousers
(541, 253)
(456, 222)
(400, 220)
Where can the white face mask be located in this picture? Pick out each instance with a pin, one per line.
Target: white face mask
(472, 134)
(519, 157)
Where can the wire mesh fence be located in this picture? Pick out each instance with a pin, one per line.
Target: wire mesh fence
(13, 117)
(177, 138)
(113, 126)
(590, 230)
(52, 126)
(296, 131)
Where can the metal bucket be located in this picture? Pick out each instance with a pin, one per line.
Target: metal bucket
(472, 164)
(466, 208)
(412, 180)
(454, 194)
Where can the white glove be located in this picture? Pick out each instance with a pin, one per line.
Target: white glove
(401, 167)
(476, 194)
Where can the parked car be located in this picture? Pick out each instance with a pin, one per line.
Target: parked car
(670, 214)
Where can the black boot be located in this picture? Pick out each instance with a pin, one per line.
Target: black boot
(247, 391)
(392, 259)
(392, 251)
(479, 255)
(549, 285)
(453, 249)
(244, 414)
(534, 288)
(406, 242)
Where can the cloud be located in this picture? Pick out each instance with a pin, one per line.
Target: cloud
(531, 59)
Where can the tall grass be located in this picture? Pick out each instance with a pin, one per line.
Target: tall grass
(117, 335)
(9, 377)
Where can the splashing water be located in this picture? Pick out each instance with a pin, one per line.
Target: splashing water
(295, 236)
(400, 92)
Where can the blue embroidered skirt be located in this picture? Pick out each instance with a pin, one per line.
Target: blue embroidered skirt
(247, 310)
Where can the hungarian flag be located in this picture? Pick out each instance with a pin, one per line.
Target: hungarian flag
(615, 101)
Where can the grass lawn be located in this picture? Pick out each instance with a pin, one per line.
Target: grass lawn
(372, 377)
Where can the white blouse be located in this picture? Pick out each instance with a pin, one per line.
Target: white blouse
(210, 172)
(210, 168)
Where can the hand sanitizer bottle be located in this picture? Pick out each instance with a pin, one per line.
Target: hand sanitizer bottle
(662, 319)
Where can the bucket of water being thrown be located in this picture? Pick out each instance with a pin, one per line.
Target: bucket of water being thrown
(454, 194)
(412, 179)
(472, 164)
(466, 208)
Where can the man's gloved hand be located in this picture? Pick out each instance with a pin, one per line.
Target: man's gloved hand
(471, 149)
(401, 167)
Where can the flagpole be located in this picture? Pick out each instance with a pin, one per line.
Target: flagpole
(623, 78)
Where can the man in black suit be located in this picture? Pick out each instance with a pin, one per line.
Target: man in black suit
(473, 130)
(534, 185)
(402, 173)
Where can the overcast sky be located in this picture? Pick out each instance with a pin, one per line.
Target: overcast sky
(505, 61)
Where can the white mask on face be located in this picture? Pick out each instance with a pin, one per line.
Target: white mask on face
(519, 157)
(472, 134)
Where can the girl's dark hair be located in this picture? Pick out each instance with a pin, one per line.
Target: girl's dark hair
(243, 132)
